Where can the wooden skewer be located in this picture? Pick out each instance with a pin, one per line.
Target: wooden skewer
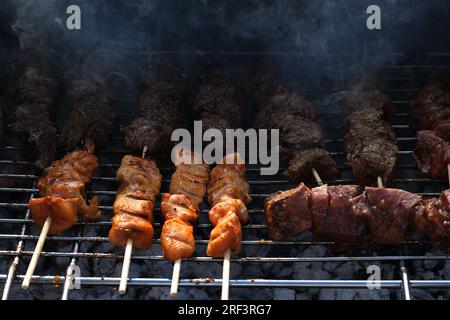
(127, 255)
(226, 275)
(448, 172)
(36, 253)
(380, 182)
(175, 277)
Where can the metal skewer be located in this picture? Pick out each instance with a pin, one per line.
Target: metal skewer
(127, 254)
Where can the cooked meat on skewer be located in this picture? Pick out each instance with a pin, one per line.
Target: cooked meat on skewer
(180, 207)
(133, 208)
(431, 109)
(62, 190)
(370, 142)
(432, 154)
(35, 92)
(162, 93)
(301, 138)
(228, 195)
(345, 214)
(91, 117)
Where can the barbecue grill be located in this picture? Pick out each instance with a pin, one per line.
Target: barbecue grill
(86, 245)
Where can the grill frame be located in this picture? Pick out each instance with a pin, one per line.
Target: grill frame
(12, 276)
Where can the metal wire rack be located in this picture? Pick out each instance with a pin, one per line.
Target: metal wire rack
(18, 234)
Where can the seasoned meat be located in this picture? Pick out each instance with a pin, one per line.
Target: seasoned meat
(180, 207)
(133, 208)
(35, 93)
(213, 122)
(300, 167)
(432, 218)
(288, 212)
(218, 96)
(62, 189)
(228, 193)
(373, 158)
(360, 99)
(332, 216)
(91, 117)
(390, 214)
(432, 154)
(161, 98)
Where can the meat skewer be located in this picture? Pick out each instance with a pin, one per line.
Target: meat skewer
(180, 209)
(62, 203)
(228, 195)
(133, 208)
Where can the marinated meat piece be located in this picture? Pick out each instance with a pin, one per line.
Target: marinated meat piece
(180, 208)
(218, 96)
(62, 189)
(288, 213)
(390, 216)
(300, 167)
(91, 117)
(146, 132)
(360, 99)
(432, 154)
(177, 239)
(374, 158)
(228, 193)
(161, 98)
(133, 208)
(431, 106)
(332, 216)
(35, 93)
(213, 122)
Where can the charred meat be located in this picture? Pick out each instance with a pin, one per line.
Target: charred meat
(432, 154)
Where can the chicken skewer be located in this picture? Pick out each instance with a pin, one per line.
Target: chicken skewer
(62, 203)
(133, 208)
(228, 195)
(180, 208)
(127, 254)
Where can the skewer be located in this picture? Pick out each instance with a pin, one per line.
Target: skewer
(175, 277)
(36, 253)
(379, 182)
(226, 275)
(127, 254)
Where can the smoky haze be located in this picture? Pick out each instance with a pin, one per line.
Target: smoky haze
(324, 42)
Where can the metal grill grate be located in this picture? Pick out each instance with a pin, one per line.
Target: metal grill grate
(88, 243)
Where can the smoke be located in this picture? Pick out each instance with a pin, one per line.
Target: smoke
(324, 42)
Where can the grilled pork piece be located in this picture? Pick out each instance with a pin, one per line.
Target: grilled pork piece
(370, 142)
(63, 188)
(431, 109)
(162, 93)
(432, 154)
(301, 138)
(228, 196)
(180, 207)
(91, 117)
(287, 213)
(133, 208)
(35, 92)
(432, 217)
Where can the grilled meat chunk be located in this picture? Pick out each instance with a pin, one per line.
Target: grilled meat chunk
(287, 213)
(332, 216)
(180, 207)
(370, 142)
(301, 165)
(133, 208)
(162, 93)
(432, 154)
(228, 193)
(62, 189)
(389, 214)
(35, 92)
(91, 117)
(219, 97)
(432, 217)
